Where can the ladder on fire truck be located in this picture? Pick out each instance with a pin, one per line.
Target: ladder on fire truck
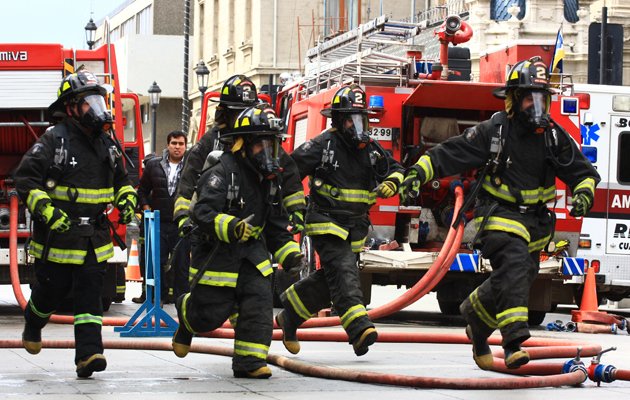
(374, 52)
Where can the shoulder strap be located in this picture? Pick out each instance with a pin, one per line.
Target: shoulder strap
(60, 159)
(231, 170)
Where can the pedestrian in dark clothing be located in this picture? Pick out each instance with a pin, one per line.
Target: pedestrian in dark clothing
(519, 153)
(157, 192)
(230, 267)
(66, 180)
(347, 171)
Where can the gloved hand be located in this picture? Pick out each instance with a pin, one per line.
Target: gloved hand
(243, 230)
(184, 226)
(127, 208)
(386, 189)
(582, 202)
(411, 185)
(296, 219)
(55, 218)
(293, 265)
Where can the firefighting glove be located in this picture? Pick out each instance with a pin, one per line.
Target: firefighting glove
(386, 189)
(243, 230)
(296, 220)
(184, 226)
(293, 265)
(582, 202)
(410, 187)
(127, 208)
(55, 218)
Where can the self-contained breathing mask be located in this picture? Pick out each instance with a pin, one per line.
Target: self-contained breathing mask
(356, 134)
(535, 116)
(97, 117)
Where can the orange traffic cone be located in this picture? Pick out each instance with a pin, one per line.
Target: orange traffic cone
(589, 295)
(133, 264)
(589, 313)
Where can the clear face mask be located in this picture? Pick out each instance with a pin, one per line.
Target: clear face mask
(263, 154)
(97, 116)
(537, 114)
(358, 132)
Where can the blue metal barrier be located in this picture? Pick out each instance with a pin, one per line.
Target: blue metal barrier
(151, 323)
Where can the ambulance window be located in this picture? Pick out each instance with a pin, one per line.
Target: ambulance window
(623, 167)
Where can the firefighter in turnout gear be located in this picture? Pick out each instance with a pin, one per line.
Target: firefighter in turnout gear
(519, 153)
(237, 94)
(230, 266)
(66, 180)
(347, 171)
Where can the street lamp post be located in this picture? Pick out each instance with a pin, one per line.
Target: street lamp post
(90, 33)
(202, 77)
(154, 100)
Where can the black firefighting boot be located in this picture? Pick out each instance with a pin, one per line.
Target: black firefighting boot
(514, 356)
(32, 339)
(93, 363)
(481, 351)
(289, 331)
(182, 337)
(364, 341)
(259, 373)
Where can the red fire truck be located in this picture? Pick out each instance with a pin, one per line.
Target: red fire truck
(417, 104)
(30, 75)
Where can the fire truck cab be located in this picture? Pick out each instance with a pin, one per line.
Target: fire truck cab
(30, 75)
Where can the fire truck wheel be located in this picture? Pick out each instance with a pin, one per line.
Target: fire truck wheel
(449, 307)
(107, 302)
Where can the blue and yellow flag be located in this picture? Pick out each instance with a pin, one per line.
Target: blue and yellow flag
(556, 61)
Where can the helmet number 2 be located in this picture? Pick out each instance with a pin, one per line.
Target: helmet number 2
(541, 72)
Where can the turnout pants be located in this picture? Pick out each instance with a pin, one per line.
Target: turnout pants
(207, 307)
(85, 283)
(336, 281)
(502, 300)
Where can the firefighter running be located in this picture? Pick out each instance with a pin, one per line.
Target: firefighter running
(230, 266)
(520, 152)
(67, 179)
(347, 171)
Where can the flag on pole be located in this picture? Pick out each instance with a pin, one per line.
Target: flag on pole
(556, 61)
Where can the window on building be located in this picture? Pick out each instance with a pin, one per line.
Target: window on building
(248, 19)
(623, 161)
(144, 21)
(200, 29)
(499, 9)
(231, 18)
(571, 8)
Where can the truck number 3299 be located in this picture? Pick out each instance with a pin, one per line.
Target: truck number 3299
(381, 133)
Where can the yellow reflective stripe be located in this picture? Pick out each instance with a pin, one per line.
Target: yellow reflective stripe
(120, 289)
(83, 195)
(504, 225)
(541, 194)
(481, 311)
(213, 278)
(425, 163)
(33, 199)
(221, 226)
(257, 350)
(502, 192)
(357, 245)
(104, 253)
(586, 184)
(184, 312)
(396, 176)
(353, 313)
(281, 254)
(511, 315)
(233, 319)
(348, 195)
(538, 244)
(182, 205)
(299, 307)
(123, 191)
(61, 256)
(326, 228)
(37, 312)
(265, 268)
(294, 200)
(81, 319)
